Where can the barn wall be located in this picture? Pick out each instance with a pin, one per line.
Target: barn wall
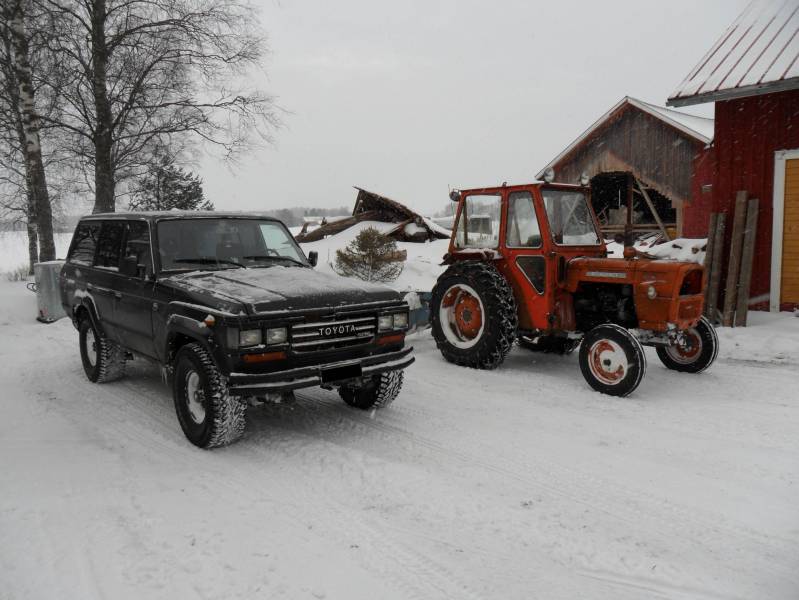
(696, 215)
(748, 132)
(660, 155)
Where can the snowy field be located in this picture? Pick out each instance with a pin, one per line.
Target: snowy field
(514, 484)
(14, 249)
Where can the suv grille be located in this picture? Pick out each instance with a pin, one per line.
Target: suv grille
(333, 333)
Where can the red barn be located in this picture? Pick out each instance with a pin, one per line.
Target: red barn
(752, 75)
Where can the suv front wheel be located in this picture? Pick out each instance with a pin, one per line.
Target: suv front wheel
(208, 414)
(377, 392)
(102, 359)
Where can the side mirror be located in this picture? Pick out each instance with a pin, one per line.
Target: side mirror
(129, 266)
(313, 257)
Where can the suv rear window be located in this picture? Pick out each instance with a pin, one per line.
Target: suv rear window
(84, 243)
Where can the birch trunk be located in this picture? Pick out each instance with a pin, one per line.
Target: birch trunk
(31, 124)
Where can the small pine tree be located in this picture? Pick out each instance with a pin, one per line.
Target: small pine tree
(166, 186)
(371, 256)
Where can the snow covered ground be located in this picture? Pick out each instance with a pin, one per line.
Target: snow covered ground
(513, 484)
(422, 267)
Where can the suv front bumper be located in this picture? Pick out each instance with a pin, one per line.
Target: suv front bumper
(254, 384)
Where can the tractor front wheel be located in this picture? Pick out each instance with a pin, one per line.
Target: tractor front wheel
(695, 353)
(612, 360)
(473, 314)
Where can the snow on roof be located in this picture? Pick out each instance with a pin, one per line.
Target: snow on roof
(758, 54)
(699, 128)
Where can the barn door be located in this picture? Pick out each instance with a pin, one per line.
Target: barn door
(789, 274)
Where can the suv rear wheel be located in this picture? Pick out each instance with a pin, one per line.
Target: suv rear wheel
(208, 414)
(102, 359)
(612, 360)
(378, 392)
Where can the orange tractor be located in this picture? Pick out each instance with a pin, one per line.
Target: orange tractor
(540, 275)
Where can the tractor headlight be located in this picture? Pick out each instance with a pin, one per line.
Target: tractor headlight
(250, 337)
(401, 320)
(651, 292)
(385, 322)
(276, 335)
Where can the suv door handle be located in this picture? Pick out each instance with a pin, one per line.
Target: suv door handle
(118, 295)
(155, 306)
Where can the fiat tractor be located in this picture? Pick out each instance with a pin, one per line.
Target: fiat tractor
(540, 275)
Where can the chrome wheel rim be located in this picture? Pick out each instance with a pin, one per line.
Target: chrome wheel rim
(91, 347)
(607, 362)
(195, 398)
(462, 316)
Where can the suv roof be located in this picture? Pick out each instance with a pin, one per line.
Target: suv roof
(155, 215)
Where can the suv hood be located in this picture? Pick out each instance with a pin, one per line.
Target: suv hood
(277, 289)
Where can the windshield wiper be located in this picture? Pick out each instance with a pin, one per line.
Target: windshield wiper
(272, 257)
(209, 261)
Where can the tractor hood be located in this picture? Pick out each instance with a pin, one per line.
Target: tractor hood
(276, 289)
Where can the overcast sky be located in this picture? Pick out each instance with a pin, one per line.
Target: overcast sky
(407, 98)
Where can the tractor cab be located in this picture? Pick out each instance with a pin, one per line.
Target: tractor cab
(534, 231)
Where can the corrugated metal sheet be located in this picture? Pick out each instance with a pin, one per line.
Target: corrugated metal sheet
(759, 53)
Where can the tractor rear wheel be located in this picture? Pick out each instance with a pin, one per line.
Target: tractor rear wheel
(612, 360)
(697, 353)
(473, 314)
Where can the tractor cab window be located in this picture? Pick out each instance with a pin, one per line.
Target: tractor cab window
(570, 218)
(523, 230)
(478, 223)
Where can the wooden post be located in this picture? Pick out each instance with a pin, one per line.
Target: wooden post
(651, 206)
(709, 251)
(628, 228)
(747, 255)
(733, 270)
(715, 269)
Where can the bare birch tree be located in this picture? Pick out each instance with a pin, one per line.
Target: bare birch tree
(156, 73)
(24, 120)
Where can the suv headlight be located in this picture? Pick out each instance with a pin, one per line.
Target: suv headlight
(276, 335)
(385, 322)
(250, 337)
(401, 320)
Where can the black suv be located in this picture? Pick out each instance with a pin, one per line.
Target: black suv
(230, 306)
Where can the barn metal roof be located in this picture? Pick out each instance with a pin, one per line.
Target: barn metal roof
(699, 128)
(758, 54)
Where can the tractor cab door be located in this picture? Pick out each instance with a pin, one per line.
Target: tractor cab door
(526, 266)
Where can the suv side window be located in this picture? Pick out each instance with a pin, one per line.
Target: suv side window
(109, 245)
(138, 244)
(84, 243)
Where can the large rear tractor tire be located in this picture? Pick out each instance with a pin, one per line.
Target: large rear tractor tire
(208, 414)
(696, 354)
(473, 314)
(378, 392)
(612, 360)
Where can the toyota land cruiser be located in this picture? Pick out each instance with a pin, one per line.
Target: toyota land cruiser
(231, 308)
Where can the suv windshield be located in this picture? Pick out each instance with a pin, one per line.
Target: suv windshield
(225, 243)
(570, 218)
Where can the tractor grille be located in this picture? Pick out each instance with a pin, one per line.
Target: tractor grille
(333, 333)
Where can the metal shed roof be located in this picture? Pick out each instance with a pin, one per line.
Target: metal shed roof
(758, 54)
